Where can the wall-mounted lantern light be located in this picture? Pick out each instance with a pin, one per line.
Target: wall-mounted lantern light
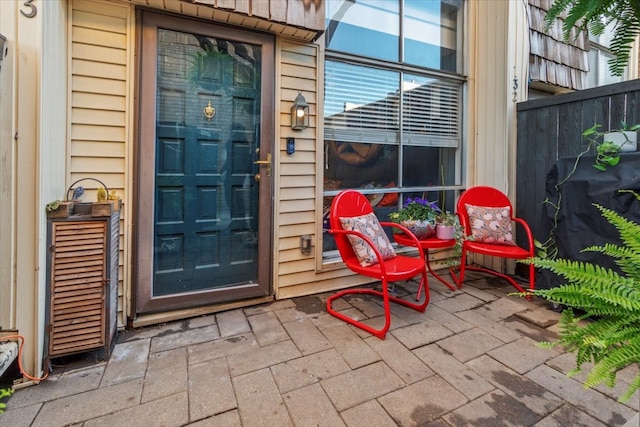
(299, 113)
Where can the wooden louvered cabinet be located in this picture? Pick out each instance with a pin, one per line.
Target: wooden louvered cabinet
(82, 287)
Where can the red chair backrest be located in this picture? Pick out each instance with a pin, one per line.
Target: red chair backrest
(480, 196)
(348, 203)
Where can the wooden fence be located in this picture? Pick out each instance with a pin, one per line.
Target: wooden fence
(551, 128)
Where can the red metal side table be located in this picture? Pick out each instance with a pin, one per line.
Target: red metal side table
(428, 243)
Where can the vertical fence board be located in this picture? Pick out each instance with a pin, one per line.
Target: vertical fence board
(618, 111)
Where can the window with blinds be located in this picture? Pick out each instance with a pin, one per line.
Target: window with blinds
(363, 105)
(393, 102)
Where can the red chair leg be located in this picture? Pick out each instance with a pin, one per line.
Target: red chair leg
(387, 299)
(458, 280)
(434, 274)
(495, 273)
(532, 277)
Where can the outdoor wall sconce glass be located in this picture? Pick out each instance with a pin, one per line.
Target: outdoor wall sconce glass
(299, 113)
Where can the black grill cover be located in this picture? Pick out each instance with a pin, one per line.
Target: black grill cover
(580, 224)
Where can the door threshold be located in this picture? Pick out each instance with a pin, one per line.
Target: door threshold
(169, 316)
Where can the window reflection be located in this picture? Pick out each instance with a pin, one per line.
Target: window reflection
(371, 28)
(431, 36)
(366, 27)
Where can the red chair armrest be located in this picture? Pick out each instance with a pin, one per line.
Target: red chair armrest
(527, 230)
(406, 231)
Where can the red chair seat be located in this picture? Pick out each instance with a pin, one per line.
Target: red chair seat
(493, 198)
(398, 268)
(351, 203)
(498, 250)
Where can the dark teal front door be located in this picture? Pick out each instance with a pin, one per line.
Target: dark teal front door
(208, 223)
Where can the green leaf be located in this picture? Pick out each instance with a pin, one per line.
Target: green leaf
(612, 161)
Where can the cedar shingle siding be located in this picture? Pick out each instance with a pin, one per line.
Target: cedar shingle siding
(551, 60)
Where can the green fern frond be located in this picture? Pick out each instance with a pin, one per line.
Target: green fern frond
(554, 12)
(595, 16)
(615, 360)
(613, 294)
(626, 258)
(589, 285)
(607, 330)
(625, 32)
(614, 312)
(629, 230)
(614, 251)
(574, 372)
(610, 380)
(547, 344)
(623, 334)
(633, 387)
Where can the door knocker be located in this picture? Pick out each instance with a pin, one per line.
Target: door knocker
(209, 112)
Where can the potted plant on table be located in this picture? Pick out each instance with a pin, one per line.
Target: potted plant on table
(418, 215)
(447, 224)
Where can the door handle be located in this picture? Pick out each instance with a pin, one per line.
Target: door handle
(265, 162)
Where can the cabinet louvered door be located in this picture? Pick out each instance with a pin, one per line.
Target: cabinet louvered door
(78, 284)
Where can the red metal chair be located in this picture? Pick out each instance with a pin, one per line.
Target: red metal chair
(483, 196)
(351, 204)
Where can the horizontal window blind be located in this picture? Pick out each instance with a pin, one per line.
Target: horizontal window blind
(431, 112)
(361, 103)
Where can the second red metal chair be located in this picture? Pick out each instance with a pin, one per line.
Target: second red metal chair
(487, 214)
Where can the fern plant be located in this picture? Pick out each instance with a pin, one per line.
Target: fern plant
(601, 323)
(594, 16)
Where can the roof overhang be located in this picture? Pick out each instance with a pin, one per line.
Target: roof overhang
(296, 19)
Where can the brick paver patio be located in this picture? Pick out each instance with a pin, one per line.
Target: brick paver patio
(470, 360)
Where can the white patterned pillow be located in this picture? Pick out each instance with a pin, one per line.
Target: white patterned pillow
(370, 227)
(490, 225)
